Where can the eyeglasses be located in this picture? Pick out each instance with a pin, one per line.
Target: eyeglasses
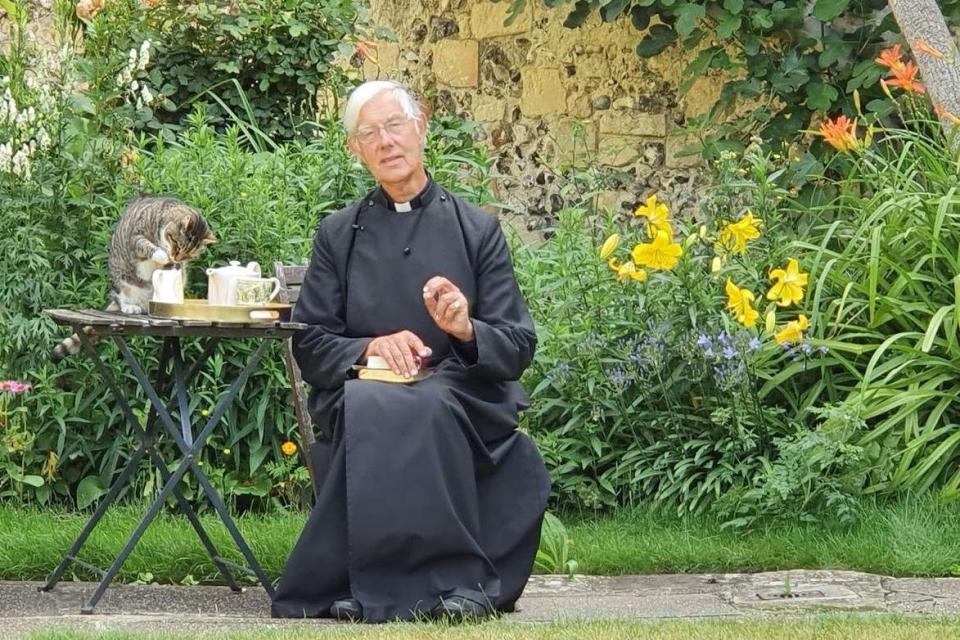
(394, 126)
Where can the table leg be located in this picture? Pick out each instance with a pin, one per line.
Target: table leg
(172, 346)
(190, 451)
(146, 437)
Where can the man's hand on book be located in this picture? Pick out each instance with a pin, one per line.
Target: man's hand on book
(448, 307)
(401, 350)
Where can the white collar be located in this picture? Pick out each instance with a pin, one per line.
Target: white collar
(402, 207)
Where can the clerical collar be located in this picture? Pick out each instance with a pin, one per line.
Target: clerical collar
(420, 200)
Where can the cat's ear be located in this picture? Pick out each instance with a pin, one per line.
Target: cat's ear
(188, 221)
(209, 239)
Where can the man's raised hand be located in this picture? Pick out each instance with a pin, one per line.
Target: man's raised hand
(448, 307)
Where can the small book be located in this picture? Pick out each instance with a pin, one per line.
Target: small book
(377, 369)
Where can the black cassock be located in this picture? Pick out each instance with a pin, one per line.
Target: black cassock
(426, 490)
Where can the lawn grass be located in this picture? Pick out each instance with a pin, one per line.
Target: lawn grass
(908, 538)
(819, 628)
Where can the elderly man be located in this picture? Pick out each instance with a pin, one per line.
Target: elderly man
(430, 501)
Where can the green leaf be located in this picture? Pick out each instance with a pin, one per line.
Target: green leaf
(688, 16)
(88, 491)
(612, 11)
(640, 17)
(578, 15)
(696, 68)
(729, 25)
(833, 51)
(820, 96)
(259, 487)
(298, 29)
(733, 6)
(12, 9)
(827, 10)
(658, 38)
(33, 481)
(83, 103)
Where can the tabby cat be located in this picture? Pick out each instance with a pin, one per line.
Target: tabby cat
(154, 232)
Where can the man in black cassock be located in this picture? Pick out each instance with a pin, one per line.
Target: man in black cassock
(429, 501)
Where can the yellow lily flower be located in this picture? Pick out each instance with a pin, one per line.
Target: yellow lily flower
(793, 332)
(736, 234)
(662, 253)
(627, 270)
(609, 246)
(738, 301)
(789, 286)
(657, 215)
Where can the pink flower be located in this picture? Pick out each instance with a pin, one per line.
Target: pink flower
(15, 387)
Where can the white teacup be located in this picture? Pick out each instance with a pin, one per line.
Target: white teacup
(253, 291)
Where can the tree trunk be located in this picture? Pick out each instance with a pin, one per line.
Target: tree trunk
(935, 51)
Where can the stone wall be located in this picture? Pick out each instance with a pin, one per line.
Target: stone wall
(533, 83)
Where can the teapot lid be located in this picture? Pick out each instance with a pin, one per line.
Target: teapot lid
(235, 266)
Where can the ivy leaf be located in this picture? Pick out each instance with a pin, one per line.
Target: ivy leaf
(612, 11)
(733, 6)
(696, 68)
(694, 39)
(827, 10)
(761, 19)
(728, 26)
(751, 44)
(833, 51)
(640, 17)
(298, 29)
(657, 39)
(688, 15)
(820, 96)
(578, 15)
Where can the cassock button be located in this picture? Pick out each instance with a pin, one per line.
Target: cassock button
(406, 251)
(370, 203)
(443, 198)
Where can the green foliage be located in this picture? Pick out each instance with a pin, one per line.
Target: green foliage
(263, 60)
(651, 391)
(817, 474)
(783, 64)
(884, 261)
(553, 556)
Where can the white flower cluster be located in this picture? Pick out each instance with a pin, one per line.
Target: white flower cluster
(136, 90)
(26, 131)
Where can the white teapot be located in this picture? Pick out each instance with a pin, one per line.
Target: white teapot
(220, 281)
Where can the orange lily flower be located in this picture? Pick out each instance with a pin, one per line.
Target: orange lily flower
(906, 78)
(840, 133)
(890, 58)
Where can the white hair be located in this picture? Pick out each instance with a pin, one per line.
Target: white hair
(364, 92)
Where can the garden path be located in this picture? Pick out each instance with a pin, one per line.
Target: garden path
(214, 610)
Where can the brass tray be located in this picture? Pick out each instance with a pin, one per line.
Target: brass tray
(198, 309)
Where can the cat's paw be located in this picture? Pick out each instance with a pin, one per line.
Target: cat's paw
(131, 309)
(161, 257)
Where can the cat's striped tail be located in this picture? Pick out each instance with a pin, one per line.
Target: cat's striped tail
(72, 345)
